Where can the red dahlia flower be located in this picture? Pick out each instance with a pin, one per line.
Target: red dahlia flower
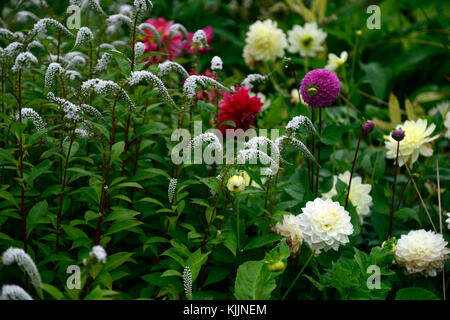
(240, 108)
(174, 46)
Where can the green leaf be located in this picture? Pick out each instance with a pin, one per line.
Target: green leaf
(9, 197)
(53, 291)
(253, 281)
(415, 294)
(117, 150)
(122, 225)
(262, 241)
(37, 215)
(117, 259)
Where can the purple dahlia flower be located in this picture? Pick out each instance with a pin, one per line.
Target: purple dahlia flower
(320, 87)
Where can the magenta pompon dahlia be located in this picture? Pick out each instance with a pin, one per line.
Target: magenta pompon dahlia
(320, 87)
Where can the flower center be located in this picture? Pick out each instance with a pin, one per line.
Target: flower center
(306, 41)
(328, 218)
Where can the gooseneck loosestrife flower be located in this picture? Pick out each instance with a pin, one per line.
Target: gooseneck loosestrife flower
(84, 36)
(139, 76)
(33, 116)
(216, 63)
(54, 70)
(99, 253)
(191, 83)
(172, 189)
(14, 292)
(19, 256)
(187, 282)
(251, 78)
(164, 68)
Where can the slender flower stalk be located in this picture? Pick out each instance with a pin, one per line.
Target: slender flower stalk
(298, 275)
(319, 144)
(398, 135)
(353, 169)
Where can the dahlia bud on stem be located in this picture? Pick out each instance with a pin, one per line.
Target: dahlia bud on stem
(398, 135)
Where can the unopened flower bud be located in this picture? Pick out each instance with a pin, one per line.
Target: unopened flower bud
(277, 266)
(398, 135)
(368, 126)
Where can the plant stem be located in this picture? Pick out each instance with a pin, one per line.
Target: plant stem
(440, 222)
(63, 185)
(353, 168)
(22, 184)
(420, 197)
(391, 216)
(298, 275)
(237, 225)
(318, 151)
(313, 152)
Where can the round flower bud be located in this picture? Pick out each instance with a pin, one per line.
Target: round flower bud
(277, 266)
(320, 87)
(368, 127)
(398, 135)
(358, 33)
(236, 184)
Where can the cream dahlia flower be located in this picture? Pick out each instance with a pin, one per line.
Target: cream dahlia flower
(416, 141)
(236, 184)
(306, 40)
(265, 41)
(422, 252)
(325, 224)
(359, 193)
(290, 228)
(442, 108)
(334, 62)
(447, 125)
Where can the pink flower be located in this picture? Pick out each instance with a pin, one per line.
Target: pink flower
(320, 87)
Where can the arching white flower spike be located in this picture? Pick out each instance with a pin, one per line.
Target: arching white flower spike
(187, 282)
(147, 26)
(95, 5)
(24, 16)
(72, 74)
(251, 78)
(19, 256)
(35, 44)
(13, 292)
(178, 28)
(139, 49)
(141, 5)
(40, 26)
(216, 63)
(299, 121)
(199, 38)
(12, 49)
(103, 62)
(245, 155)
(107, 46)
(24, 61)
(209, 138)
(172, 188)
(5, 33)
(167, 66)
(54, 70)
(33, 116)
(296, 143)
(192, 82)
(105, 86)
(99, 253)
(116, 18)
(139, 76)
(71, 110)
(84, 35)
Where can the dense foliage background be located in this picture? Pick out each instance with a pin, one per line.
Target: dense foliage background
(393, 74)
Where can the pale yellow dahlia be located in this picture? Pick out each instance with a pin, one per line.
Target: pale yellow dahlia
(334, 62)
(265, 41)
(307, 40)
(359, 193)
(417, 141)
(442, 108)
(290, 229)
(447, 125)
(236, 184)
(422, 252)
(325, 224)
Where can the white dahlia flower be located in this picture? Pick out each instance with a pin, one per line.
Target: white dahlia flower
(334, 62)
(359, 193)
(325, 224)
(422, 252)
(290, 228)
(447, 125)
(416, 141)
(448, 219)
(442, 108)
(265, 41)
(306, 40)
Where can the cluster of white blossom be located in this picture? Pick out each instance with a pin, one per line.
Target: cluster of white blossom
(24, 61)
(33, 116)
(296, 143)
(178, 28)
(24, 16)
(216, 63)
(84, 35)
(192, 82)
(147, 26)
(300, 121)
(168, 66)
(118, 17)
(187, 282)
(199, 38)
(13, 292)
(139, 49)
(207, 137)
(141, 5)
(99, 253)
(172, 188)
(251, 78)
(40, 26)
(71, 110)
(104, 87)
(54, 70)
(139, 76)
(19, 256)
(103, 62)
